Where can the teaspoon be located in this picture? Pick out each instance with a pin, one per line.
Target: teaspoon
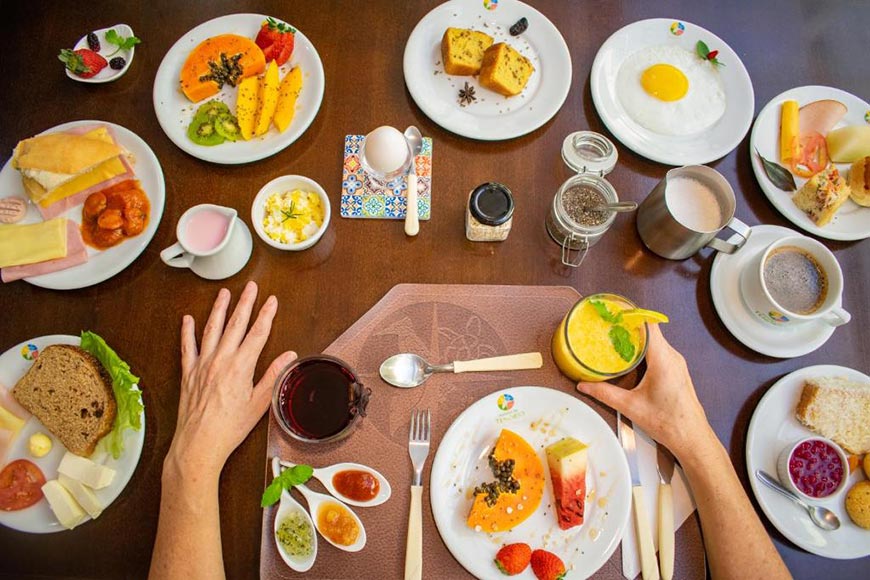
(411, 370)
(822, 517)
(619, 207)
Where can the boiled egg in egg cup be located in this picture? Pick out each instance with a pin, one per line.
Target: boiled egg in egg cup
(385, 154)
(274, 219)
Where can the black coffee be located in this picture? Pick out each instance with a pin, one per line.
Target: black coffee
(795, 280)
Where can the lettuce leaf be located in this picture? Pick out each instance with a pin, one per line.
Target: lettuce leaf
(128, 399)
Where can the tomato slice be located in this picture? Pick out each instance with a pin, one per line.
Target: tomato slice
(813, 155)
(20, 485)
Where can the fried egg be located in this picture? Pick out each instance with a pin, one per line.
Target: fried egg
(670, 90)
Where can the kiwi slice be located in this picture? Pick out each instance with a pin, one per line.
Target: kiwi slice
(211, 110)
(227, 127)
(202, 132)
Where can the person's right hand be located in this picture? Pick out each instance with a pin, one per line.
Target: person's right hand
(664, 403)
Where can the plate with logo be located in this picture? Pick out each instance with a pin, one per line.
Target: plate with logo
(541, 416)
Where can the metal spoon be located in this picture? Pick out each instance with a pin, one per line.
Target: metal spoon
(822, 517)
(619, 207)
(411, 370)
(415, 142)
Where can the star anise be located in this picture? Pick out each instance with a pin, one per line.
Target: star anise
(466, 95)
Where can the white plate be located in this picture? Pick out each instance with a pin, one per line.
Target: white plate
(699, 148)
(108, 74)
(492, 117)
(38, 518)
(175, 111)
(772, 428)
(101, 265)
(542, 416)
(851, 222)
(740, 321)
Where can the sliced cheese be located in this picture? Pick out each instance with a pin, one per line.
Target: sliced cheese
(102, 172)
(83, 494)
(86, 471)
(66, 510)
(32, 243)
(789, 131)
(10, 421)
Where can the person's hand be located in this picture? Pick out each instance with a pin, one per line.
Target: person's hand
(664, 403)
(219, 405)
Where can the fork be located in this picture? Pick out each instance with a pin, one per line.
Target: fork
(418, 449)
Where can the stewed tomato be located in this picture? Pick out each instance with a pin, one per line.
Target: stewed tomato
(20, 485)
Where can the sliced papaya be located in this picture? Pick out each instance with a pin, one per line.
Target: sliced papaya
(288, 92)
(219, 60)
(268, 99)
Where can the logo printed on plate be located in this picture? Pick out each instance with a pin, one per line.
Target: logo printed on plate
(490, 4)
(867, 116)
(678, 28)
(506, 402)
(29, 352)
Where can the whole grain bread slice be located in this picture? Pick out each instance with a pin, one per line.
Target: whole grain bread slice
(839, 409)
(71, 393)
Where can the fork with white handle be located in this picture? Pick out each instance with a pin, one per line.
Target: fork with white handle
(418, 449)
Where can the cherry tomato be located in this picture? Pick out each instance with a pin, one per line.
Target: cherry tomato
(20, 485)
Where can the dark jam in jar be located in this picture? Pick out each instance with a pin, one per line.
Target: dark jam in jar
(356, 484)
(317, 398)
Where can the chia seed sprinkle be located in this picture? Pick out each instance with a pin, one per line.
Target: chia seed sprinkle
(578, 201)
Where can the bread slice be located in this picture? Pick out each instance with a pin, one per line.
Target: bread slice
(839, 409)
(505, 70)
(859, 181)
(71, 393)
(462, 50)
(822, 195)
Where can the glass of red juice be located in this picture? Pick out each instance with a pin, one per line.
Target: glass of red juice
(318, 399)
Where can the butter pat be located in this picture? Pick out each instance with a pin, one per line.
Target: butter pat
(86, 471)
(65, 508)
(83, 495)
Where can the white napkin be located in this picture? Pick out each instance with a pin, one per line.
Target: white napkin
(684, 504)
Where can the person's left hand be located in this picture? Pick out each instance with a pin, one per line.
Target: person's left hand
(219, 405)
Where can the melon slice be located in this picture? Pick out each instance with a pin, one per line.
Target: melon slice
(219, 60)
(567, 462)
(504, 504)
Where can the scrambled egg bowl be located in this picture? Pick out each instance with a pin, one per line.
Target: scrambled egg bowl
(294, 216)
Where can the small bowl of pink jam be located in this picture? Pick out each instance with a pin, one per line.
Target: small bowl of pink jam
(814, 468)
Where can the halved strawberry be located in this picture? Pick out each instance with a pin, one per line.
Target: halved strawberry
(82, 62)
(276, 40)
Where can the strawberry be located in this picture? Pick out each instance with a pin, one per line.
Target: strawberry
(547, 565)
(513, 558)
(276, 40)
(82, 62)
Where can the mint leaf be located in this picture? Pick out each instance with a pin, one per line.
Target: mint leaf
(291, 476)
(702, 49)
(121, 42)
(621, 340)
(603, 312)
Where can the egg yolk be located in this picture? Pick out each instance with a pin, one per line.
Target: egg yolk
(664, 82)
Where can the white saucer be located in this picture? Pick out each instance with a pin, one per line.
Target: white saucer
(219, 266)
(743, 324)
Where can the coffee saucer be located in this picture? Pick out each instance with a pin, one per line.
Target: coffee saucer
(740, 321)
(229, 261)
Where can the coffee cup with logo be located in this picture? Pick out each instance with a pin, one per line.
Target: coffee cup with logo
(794, 281)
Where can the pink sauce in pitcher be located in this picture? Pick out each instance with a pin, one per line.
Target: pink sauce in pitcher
(206, 229)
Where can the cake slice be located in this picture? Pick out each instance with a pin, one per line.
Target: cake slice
(462, 50)
(567, 461)
(839, 409)
(822, 195)
(505, 70)
(71, 393)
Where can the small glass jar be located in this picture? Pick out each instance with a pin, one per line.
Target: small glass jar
(489, 215)
(572, 222)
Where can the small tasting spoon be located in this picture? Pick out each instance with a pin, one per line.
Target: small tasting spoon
(287, 506)
(822, 517)
(619, 207)
(325, 475)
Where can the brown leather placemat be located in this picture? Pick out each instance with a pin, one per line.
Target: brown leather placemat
(442, 323)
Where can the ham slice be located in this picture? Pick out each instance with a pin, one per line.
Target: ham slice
(62, 206)
(8, 402)
(76, 254)
(820, 116)
(6, 438)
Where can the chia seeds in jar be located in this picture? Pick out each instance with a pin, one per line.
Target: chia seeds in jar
(489, 215)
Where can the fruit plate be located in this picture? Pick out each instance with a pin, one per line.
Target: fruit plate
(101, 264)
(491, 117)
(38, 518)
(695, 149)
(541, 416)
(175, 111)
(773, 427)
(851, 222)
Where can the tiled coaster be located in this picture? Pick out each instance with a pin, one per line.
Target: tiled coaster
(363, 196)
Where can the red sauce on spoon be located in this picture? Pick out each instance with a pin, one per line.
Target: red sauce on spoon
(356, 485)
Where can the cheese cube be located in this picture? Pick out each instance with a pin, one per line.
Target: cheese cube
(65, 508)
(86, 471)
(83, 495)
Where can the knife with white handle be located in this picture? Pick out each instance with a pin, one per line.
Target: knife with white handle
(648, 565)
(665, 466)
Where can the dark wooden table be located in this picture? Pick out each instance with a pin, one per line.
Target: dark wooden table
(324, 290)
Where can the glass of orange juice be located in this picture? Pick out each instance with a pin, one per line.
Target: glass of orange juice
(595, 342)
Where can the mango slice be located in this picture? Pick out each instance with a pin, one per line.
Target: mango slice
(268, 99)
(246, 105)
(288, 92)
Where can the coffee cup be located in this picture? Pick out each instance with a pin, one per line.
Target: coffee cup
(212, 242)
(685, 212)
(795, 280)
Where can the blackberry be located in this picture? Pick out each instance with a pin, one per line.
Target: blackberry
(93, 42)
(117, 63)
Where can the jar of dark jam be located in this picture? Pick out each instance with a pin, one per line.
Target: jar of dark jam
(490, 213)
(573, 221)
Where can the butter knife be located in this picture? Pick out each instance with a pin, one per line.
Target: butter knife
(648, 566)
(665, 465)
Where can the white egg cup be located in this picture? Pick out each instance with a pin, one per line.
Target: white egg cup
(381, 176)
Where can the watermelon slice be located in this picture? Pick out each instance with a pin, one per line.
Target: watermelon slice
(567, 462)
